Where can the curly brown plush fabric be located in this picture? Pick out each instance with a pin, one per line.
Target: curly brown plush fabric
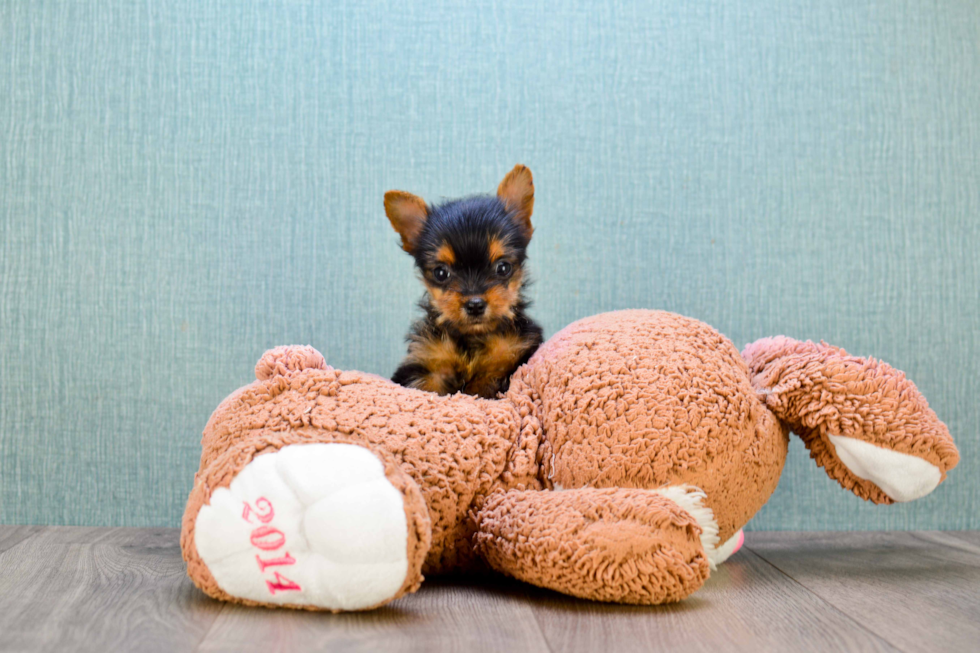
(612, 544)
(644, 399)
(456, 449)
(819, 390)
(625, 451)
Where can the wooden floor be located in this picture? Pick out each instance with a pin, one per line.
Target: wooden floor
(91, 589)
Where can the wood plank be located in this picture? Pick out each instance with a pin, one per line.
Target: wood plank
(96, 589)
(441, 616)
(942, 538)
(746, 605)
(126, 589)
(920, 592)
(971, 537)
(11, 536)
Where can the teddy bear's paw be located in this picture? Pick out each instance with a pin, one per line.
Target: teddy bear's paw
(314, 525)
(901, 476)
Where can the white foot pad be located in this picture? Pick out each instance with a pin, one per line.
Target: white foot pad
(901, 476)
(311, 524)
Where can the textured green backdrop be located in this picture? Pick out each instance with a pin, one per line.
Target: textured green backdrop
(185, 184)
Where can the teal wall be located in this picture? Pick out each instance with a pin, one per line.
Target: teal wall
(185, 184)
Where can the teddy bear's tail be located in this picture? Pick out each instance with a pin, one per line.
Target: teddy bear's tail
(861, 419)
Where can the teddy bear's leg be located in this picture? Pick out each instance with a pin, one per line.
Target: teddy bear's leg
(321, 525)
(861, 419)
(613, 544)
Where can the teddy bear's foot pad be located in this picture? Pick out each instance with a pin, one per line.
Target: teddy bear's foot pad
(314, 525)
(901, 476)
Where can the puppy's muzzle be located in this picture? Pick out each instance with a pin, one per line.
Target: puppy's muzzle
(475, 306)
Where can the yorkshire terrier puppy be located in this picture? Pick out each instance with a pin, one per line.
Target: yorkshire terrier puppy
(471, 255)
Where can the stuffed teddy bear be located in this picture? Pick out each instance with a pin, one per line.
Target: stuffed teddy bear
(620, 465)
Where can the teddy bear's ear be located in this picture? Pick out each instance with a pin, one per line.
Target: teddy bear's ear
(407, 214)
(516, 191)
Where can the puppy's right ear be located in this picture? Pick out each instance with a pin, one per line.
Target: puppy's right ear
(407, 214)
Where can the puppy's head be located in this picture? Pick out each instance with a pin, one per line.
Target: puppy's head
(470, 252)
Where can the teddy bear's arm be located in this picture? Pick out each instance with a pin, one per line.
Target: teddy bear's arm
(862, 420)
(613, 544)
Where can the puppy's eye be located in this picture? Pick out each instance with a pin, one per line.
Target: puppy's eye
(504, 269)
(440, 273)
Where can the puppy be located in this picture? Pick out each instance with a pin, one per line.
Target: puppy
(471, 254)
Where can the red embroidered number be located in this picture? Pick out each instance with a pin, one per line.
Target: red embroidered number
(275, 562)
(282, 583)
(264, 517)
(268, 538)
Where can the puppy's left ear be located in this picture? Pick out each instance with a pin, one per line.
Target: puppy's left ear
(407, 214)
(516, 191)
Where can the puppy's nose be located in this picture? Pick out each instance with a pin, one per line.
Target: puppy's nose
(475, 306)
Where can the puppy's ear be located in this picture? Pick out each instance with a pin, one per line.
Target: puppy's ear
(407, 214)
(516, 191)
